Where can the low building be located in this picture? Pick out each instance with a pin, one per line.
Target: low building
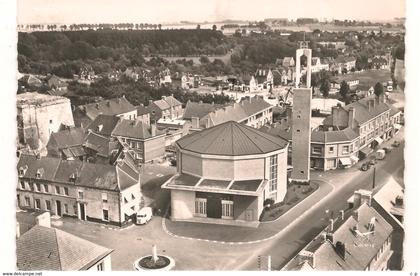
(360, 239)
(167, 107)
(145, 142)
(143, 114)
(55, 83)
(39, 115)
(94, 192)
(225, 173)
(251, 111)
(44, 248)
(67, 144)
(119, 107)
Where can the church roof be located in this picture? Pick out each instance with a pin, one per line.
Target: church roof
(231, 138)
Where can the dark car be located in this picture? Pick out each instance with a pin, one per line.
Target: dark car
(365, 167)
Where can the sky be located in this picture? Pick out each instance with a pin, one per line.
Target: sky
(170, 11)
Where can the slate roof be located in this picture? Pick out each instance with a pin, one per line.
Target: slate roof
(199, 110)
(133, 129)
(237, 111)
(231, 138)
(253, 105)
(98, 143)
(43, 248)
(141, 110)
(87, 174)
(346, 134)
(359, 250)
(68, 137)
(167, 102)
(114, 106)
(362, 113)
(108, 123)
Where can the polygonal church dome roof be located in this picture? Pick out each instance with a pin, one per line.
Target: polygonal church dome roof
(233, 139)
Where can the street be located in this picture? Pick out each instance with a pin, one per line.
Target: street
(309, 225)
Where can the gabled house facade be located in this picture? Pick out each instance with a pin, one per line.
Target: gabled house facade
(93, 192)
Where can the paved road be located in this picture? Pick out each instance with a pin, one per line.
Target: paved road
(307, 227)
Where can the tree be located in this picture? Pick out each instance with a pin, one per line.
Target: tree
(378, 89)
(198, 27)
(204, 60)
(344, 89)
(325, 87)
(214, 28)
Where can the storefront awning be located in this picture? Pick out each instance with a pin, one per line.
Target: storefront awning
(379, 140)
(354, 159)
(366, 150)
(345, 161)
(397, 126)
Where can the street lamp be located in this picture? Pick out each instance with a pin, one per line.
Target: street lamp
(373, 180)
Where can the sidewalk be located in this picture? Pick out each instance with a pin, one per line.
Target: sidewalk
(245, 235)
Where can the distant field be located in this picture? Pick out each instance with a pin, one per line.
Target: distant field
(367, 78)
(335, 28)
(196, 60)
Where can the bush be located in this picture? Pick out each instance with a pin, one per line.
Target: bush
(268, 201)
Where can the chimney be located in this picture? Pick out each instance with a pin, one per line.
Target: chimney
(195, 122)
(164, 98)
(331, 225)
(356, 215)
(153, 130)
(44, 219)
(150, 102)
(329, 237)
(307, 256)
(382, 98)
(351, 117)
(342, 214)
(335, 111)
(340, 248)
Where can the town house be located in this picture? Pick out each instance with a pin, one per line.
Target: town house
(87, 191)
(167, 108)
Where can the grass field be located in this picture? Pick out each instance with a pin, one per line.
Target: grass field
(367, 78)
(196, 60)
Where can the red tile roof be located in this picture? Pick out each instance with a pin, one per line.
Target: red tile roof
(231, 138)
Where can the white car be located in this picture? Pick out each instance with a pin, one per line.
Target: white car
(144, 215)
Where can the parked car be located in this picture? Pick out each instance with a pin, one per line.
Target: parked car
(380, 154)
(144, 215)
(365, 166)
(396, 144)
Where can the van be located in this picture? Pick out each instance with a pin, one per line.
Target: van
(380, 154)
(144, 215)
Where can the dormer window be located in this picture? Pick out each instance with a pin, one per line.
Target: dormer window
(22, 170)
(39, 173)
(99, 127)
(72, 177)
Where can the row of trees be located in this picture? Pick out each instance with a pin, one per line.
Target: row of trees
(138, 92)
